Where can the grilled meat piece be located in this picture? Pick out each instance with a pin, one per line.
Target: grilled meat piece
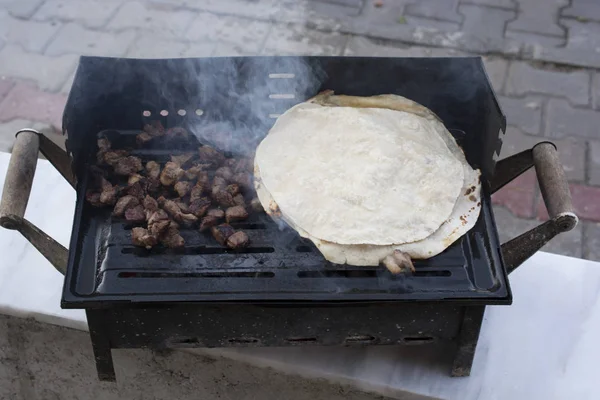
(159, 227)
(243, 179)
(171, 237)
(208, 222)
(141, 237)
(171, 174)
(111, 157)
(103, 144)
(219, 182)
(161, 200)
(153, 169)
(199, 206)
(222, 232)
(192, 172)
(176, 132)
(154, 129)
(256, 205)
(134, 178)
(223, 198)
(128, 165)
(135, 214)
(183, 159)
(94, 198)
(150, 204)
(152, 185)
(156, 216)
(239, 200)
(208, 155)
(123, 204)
(225, 173)
(108, 195)
(216, 212)
(183, 188)
(184, 207)
(174, 211)
(236, 213)
(143, 138)
(238, 240)
(137, 190)
(399, 262)
(171, 208)
(233, 189)
(187, 219)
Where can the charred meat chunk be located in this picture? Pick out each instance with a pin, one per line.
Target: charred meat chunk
(239, 200)
(223, 198)
(243, 179)
(177, 132)
(108, 195)
(171, 237)
(158, 228)
(134, 178)
(153, 169)
(236, 213)
(150, 203)
(183, 159)
(222, 232)
(103, 144)
(174, 211)
(208, 222)
(192, 172)
(225, 173)
(183, 206)
(171, 174)
(238, 240)
(141, 237)
(94, 198)
(152, 185)
(143, 138)
(111, 157)
(399, 262)
(233, 189)
(137, 190)
(154, 129)
(135, 214)
(125, 203)
(183, 188)
(199, 206)
(187, 219)
(128, 165)
(216, 212)
(208, 155)
(156, 216)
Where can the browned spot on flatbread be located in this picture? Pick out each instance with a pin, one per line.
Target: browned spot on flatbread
(463, 219)
(469, 191)
(472, 198)
(274, 209)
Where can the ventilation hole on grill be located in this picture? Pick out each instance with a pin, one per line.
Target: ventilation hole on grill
(220, 274)
(338, 274)
(281, 76)
(432, 273)
(274, 116)
(191, 340)
(301, 339)
(247, 225)
(146, 113)
(358, 339)
(282, 96)
(164, 113)
(181, 112)
(418, 339)
(139, 251)
(199, 112)
(243, 340)
(303, 249)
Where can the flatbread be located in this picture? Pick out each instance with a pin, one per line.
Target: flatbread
(351, 175)
(462, 218)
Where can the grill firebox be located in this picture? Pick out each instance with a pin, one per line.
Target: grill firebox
(280, 291)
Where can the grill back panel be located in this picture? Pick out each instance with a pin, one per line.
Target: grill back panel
(118, 95)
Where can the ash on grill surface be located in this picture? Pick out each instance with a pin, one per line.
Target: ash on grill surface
(165, 197)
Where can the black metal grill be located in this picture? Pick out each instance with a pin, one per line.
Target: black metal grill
(135, 297)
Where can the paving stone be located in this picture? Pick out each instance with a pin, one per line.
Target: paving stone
(533, 38)
(444, 10)
(571, 151)
(234, 30)
(586, 202)
(25, 101)
(496, 69)
(32, 36)
(20, 8)
(297, 40)
(524, 78)
(485, 21)
(151, 18)
(582, 35)
(591, 241)
(362, 47)
(8, 130)
(538, 16)
(74, 39)
(519, 195)
(526, 112)
(333, 8)
(146, 46)
(594, 163)
(509, 227)
(562, 55)
(583, 9)
(429, 23)
(93, 14)
(564, 120)
(5, 86)
(596, 90)
(257, 9)
(346, 3)
(508, 4)
(50, 73)
(231, 50)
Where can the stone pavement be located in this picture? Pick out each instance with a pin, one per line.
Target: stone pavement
(542, 56)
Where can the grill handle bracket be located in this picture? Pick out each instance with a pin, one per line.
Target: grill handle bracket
(555, 192)
(17, 188)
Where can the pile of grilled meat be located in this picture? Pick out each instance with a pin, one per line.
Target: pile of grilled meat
(202, 189)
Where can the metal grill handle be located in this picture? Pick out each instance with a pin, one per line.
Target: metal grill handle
(555, 192)
(15, 196)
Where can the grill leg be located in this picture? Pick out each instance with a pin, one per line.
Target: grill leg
(101, 347)
(467, 341)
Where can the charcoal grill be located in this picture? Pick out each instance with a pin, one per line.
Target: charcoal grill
(280, 291)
